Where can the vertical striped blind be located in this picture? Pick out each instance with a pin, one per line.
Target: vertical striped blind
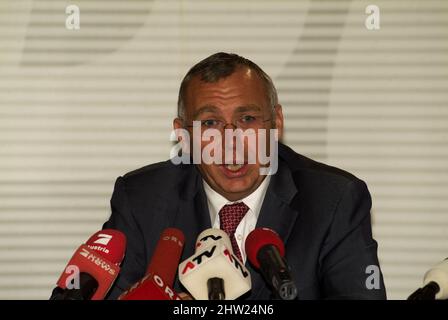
(80, 107)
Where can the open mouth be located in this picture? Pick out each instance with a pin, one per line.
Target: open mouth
(234, 170)
(234, 167)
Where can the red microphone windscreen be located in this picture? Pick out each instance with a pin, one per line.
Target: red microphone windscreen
(109, 243)
(100, 257)
(85, 260)
(166, 256)
(151, 287)
(259, 238)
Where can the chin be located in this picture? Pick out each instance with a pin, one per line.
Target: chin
(241, 186)
(230, 184)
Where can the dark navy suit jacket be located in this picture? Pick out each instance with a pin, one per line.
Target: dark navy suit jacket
(322, 214)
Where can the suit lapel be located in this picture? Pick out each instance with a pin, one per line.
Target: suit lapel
(277, 214)
(192, 213)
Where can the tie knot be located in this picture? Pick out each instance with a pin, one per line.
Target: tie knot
(231, 215)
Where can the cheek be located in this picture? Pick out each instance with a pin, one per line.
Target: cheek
(211, 170)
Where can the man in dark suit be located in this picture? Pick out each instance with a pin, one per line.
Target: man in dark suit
(321, 213)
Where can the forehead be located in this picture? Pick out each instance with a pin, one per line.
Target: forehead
(242, 88)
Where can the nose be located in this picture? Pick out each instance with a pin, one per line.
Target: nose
(231, 150)
(234, 127)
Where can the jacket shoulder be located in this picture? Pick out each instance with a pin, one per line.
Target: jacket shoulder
(159, 177)
(306, 170)
(151, 169)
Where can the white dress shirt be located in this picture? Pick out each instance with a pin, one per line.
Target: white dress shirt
(253, 201)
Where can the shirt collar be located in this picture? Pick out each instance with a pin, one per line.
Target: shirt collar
(254, 201)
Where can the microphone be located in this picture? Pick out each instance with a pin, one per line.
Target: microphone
(160, 274)
(214, 272)
(215, 285)
(265, 250)
(93, 267)
(435, 284)
(209, 237)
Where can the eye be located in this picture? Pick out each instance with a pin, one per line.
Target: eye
(209, 123)
(248, 119)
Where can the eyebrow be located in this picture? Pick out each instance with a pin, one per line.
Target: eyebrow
(204, 109)
(249, 107)
(213, 109)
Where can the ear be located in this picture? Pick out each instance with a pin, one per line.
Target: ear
(178, 123)
(279, 120)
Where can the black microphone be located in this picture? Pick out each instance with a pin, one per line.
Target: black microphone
(265, 250)
(428, 292)
(87, 288)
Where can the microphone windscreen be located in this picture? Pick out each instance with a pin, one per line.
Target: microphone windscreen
(166, 256)
(88, 261)
(99, 258)
(439, 275)
(214, 259)
(259, 238)
(109, 243)
(151, 287)
(210, 235)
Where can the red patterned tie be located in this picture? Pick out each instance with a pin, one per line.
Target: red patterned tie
(230, 217)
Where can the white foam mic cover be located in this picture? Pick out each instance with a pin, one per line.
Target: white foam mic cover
(211, 235)
(214, 259)
(439, 275)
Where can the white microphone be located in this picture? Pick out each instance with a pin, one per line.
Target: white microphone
(210, 236)
(214, 272)
(435, 284)
(439, 275)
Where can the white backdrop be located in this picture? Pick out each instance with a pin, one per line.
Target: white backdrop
(80, 107)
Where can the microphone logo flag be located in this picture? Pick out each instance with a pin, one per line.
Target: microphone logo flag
(103, 239)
